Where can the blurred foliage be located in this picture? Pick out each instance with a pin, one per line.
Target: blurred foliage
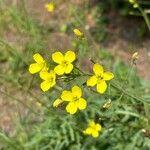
(119, 10)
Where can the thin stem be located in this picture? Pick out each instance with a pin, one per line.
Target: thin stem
(145, 17)
(128, 94)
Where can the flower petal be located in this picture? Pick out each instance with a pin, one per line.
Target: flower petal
(78, 33)
(108, 75)
(98, 127)
(88, 131)
(34, 68)
(52, 74)
(71, 107)
(57, 102)
(98, 69)
(91, 81)
(82, 103)
(70, 56)
(101, 87)
(57, 57)
(59, 69)
(95, 133)
(44, 75)
(53, 83)
(91, 123)
(45, 86)
(38, 58)
(66, 96)
(76, 91)
(69, 68)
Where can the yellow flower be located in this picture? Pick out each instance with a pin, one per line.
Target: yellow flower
(39, 65)
(99, 78)
(75, 100)
(50, 7)
(64, 62)
(49, 79)
(78, 33)
(93, 129)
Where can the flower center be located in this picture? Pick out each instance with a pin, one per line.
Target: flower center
(75, 98)
(64, 63)
(51, 79)
(99, 78)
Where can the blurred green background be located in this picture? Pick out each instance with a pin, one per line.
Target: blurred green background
(114, 30)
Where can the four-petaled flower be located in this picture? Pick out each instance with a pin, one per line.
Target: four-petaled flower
(78, 33)
(75, 100)
(64, 62)
(93, 129)
(40, 64)
(50, 7)
(99, 78)
(49, 79)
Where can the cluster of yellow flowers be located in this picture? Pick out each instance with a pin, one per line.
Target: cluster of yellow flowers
(49, 76)
(73, 98)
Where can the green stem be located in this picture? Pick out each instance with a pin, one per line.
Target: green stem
(145, 17)
(128, 94)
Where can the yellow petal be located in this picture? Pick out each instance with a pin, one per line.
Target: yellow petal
(52, 74)
(59, 69)
(71, 107)
(98, 69)
(68, 68)
(92, 81)
(91, 123)
(44, 75)
(98, 127)
(76, 91)
(45, 68)
(45, 86)
(108, 75)
(53, 82)
(34, 68)
(88, 131)
(70, 56)
(95, 133)
(101, 87)
(57, 102)
(58, 57)
(38, 58)
(82, 103)
(66, 96)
